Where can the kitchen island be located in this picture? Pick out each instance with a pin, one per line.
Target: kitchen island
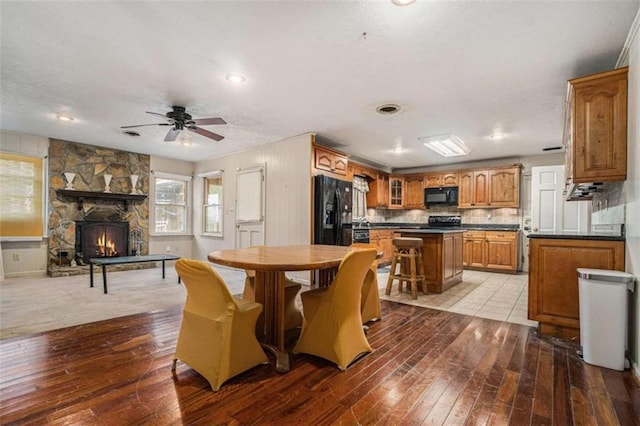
(441, 256)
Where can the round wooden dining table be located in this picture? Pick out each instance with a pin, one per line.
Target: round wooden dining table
(270, 264)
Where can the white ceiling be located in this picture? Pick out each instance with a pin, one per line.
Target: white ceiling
(455, 67)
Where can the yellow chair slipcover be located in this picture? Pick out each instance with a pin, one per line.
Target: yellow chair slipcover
(292, 316)
(332, 324)
(370, 303)
(217, 335)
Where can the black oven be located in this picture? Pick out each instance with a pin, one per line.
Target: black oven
(361, 235)
(441, 196)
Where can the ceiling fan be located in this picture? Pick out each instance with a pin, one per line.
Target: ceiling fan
(180, 120)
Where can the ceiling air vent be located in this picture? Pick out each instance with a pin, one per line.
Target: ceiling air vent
(388, 109)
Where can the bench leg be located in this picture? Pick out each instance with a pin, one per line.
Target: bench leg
(163, 269)
(90, 274)
(104, 278)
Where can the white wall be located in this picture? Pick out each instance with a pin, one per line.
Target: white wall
(180, 245)
(288, 194)
(24, 258)
(632, 188)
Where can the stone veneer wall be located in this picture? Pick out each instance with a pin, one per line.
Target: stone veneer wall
(91, 163)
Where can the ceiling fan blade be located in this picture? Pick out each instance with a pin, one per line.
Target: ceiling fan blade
(158, 114)
(208, 121)
(205, 133)
(142, 125)
(172, 135)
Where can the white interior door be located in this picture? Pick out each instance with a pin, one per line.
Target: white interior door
(250, 207)
(550, 213)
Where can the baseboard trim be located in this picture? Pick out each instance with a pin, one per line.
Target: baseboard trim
(26, 274)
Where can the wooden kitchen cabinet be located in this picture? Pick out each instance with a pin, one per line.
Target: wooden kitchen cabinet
(396, 192)
(596, 128)
(383, 239)
(491, 250)
(438, 180)
(504, 187)
(414, 191)
(473, 190)
(491, 188)
(378, 195)
(553, 280)
(502, 251)
(474, 249)
(328, 160)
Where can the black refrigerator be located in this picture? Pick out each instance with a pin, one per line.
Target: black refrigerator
(332, 210)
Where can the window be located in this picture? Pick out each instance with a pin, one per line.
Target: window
(21, 196)
(213, 208)
(171, 203)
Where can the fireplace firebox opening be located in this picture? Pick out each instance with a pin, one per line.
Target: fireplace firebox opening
(101, 239)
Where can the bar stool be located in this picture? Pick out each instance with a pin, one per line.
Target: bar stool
(407, 251)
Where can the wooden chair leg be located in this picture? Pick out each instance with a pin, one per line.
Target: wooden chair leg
(392, 273)
(412, 266)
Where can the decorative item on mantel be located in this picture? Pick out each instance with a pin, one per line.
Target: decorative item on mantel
(134, 181)
(107, 182)
(69, 177)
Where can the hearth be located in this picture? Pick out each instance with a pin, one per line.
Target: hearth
(101, 239)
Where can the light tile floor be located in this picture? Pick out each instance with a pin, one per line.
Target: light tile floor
(490, 295)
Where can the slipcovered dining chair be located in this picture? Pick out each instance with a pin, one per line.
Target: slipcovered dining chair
(370, 302)
(332, 324)
(217, 334)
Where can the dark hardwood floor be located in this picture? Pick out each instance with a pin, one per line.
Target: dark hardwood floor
(428, 367)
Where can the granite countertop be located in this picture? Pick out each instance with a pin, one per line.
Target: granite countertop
(574, 236)
(431, 230)
(465, 227)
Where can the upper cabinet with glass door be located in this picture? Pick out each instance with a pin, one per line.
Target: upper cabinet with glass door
(396, 192)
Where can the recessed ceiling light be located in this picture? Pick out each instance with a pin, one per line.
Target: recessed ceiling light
(64, 117)
(496, 136)
(448, 145)
(235, 78)
(388, 109)
(402, 2)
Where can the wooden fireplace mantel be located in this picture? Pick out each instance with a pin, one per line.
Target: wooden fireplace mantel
(81, 195)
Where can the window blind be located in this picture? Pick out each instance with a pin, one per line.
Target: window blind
(21, 196)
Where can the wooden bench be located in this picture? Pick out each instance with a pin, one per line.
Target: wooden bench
(106, 261)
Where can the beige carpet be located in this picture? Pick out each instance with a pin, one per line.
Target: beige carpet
(32, 305)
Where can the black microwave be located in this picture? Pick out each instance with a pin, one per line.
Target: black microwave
(447, 196)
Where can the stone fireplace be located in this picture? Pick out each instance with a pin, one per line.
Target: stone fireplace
(81, 218)
(101, 239)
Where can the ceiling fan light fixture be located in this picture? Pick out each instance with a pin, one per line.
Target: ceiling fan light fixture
(448, 145)
(185, 139)
(235, 78)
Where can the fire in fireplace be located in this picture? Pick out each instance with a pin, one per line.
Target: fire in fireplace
(101, 239)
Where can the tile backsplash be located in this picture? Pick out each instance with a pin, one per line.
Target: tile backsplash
(469, 216)
(608, 207)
